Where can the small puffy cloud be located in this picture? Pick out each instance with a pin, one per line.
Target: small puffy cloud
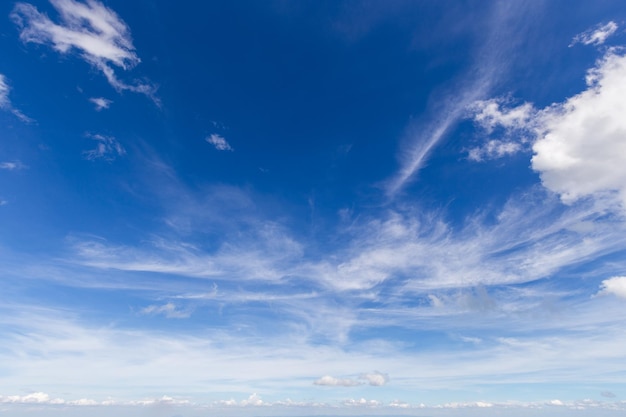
(608, 394)
(494, 149)
(511, 125)
(101, 103)
(376, 379)
(93, 30)
(33, 398)
(493, 113)
(12, 165)
(219, 142)
(362, 402)
(597, 35)
(107, 148)
(615, 286)
(581, 145)
(169, 310)
(253, 400)
(337, 382)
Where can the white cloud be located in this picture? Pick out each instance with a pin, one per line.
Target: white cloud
(219, 142)
(500, 38)
(107, 148)
(4, 93)
(615, 286)
(362, 402)
(92, 29)
(5, 103)
(490, 114)
(597, 35)
(101, 103)
(169, 310)
(510, 125)
(337, 382)
(494, 149)
(12, 165)
(376, 379)
(253, 400)
(581, 145)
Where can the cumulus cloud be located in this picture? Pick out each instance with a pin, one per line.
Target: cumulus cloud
(107, 148)
(615, 286)
(253, 400)
(375, 379)
(169, 310)
(93, 30)
(5, 102)
(510, 125)
(101, 103)
(491, 114)
(362, 402)
(581, 145)
(494, 149)
(597, 35)
(219, 142)
(33, 398)
(337, 382)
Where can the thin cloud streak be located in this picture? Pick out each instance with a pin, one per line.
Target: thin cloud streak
(5, 102)
(490, 64)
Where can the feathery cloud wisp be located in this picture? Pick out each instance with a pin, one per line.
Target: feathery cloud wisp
(596, 36)
(5, 103)
(107, 148)
(95, 31)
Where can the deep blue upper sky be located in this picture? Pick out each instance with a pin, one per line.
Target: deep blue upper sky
(302, 207)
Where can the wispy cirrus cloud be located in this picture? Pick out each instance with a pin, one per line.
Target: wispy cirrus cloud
(451, 106)
(169, 310)
(219, 142)
(107, 148)
(99, 35)
(12, 165)
(596, 35)
(5, 102)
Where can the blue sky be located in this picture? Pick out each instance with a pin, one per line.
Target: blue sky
(312, 208)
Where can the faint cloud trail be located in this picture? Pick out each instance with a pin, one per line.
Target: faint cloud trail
(490, 63)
